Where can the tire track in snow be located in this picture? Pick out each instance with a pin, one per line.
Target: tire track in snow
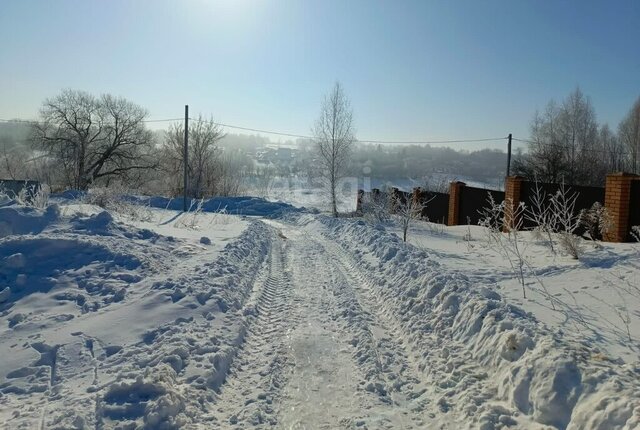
(441, 369)
(250, 394)
(398, 375)
(342, 369)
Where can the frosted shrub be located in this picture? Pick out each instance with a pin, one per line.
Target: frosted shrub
(407, 210)
(510, 245)
(596, 221)
(112, 199)
(191, 219)
(566, 221)
(377, 208)
(35, 197)
(492, 218)
(541, 215)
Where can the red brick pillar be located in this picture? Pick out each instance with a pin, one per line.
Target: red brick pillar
(617, 196)
(512, 189)
(455, 190)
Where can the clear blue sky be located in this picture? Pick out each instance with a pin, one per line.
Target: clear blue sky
(413, 70)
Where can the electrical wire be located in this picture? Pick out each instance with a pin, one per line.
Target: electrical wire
(301, 136)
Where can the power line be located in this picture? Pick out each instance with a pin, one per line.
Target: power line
(257, 130)
(359, 140)
(407, 142)
(163, 120)
(301, 136)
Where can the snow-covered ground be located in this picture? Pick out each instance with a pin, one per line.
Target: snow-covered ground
(596, 297)
(296, 320)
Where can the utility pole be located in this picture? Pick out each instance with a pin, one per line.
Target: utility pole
(186, 154)
(509, 156)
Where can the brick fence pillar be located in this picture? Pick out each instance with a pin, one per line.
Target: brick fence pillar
(512, 189)
(455, 189)
(617, 196)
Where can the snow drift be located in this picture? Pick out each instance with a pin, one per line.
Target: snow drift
(244, 205)
(108, 325)
(480, 353)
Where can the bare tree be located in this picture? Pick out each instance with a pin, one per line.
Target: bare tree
(265, 176)
(629, 134)
(334, 136)
(230, 174)
(203, 155)
(93, 137)
(408, 208)
(579, 132)
(565, 144)
(613, 149)
(545, 158)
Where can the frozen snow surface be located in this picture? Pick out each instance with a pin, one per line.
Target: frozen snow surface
(249, 206)
(164, 320)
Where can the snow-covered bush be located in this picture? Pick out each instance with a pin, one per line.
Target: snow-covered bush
(191, 219)
(407, 210)
(510, 245)
(34, 196)
(596, 221)
(540, 214)
(376, 207)
(566, 220)
(113, 199)
(492, 217)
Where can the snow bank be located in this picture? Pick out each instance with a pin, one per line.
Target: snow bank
(166, 380)
(249, 206)
(106, 325)
(16, 219)
(476, 348)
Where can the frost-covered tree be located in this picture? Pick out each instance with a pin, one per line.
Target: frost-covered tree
(564, 144)
(204, 135)
(334, 135)
(408, 208)
(613, 150)
(93, 137)
(629, 134)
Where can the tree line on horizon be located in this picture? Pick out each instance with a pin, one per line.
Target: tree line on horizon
(567, 144)
(81, 141)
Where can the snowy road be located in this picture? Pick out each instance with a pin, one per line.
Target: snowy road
(307, 322)
(317, 354)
